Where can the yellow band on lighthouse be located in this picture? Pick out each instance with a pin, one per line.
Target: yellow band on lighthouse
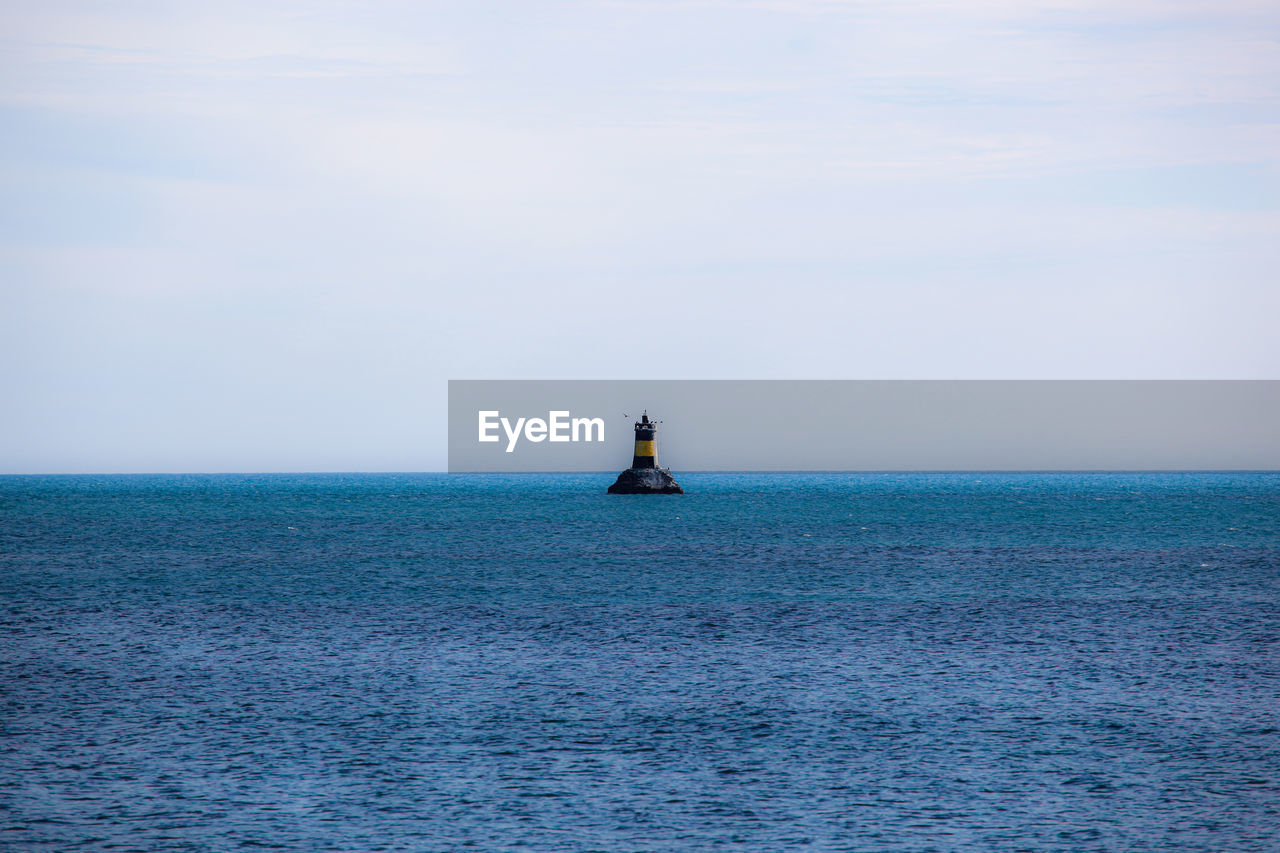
(645, 448)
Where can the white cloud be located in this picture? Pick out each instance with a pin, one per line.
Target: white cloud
(321, 193)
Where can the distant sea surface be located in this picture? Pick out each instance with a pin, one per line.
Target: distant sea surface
(862, 662)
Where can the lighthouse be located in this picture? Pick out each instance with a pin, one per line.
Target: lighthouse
(644, 477)
(646, 455)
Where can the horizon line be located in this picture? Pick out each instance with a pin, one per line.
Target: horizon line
(682, 472)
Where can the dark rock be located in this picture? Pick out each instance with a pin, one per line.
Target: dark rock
(645, 481)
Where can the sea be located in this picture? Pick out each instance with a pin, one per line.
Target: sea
(770, 662)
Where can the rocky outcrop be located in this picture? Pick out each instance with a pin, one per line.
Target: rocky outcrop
(646, 481)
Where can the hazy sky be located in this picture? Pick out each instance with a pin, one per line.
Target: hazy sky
(262, 236)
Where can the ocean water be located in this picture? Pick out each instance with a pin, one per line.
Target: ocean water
(913, 662)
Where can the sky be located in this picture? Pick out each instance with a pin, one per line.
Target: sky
(262, 236)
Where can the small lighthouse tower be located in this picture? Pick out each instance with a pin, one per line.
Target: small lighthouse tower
(644, 477)
(646, 455)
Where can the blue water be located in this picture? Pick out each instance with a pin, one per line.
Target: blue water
(1045, 662)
